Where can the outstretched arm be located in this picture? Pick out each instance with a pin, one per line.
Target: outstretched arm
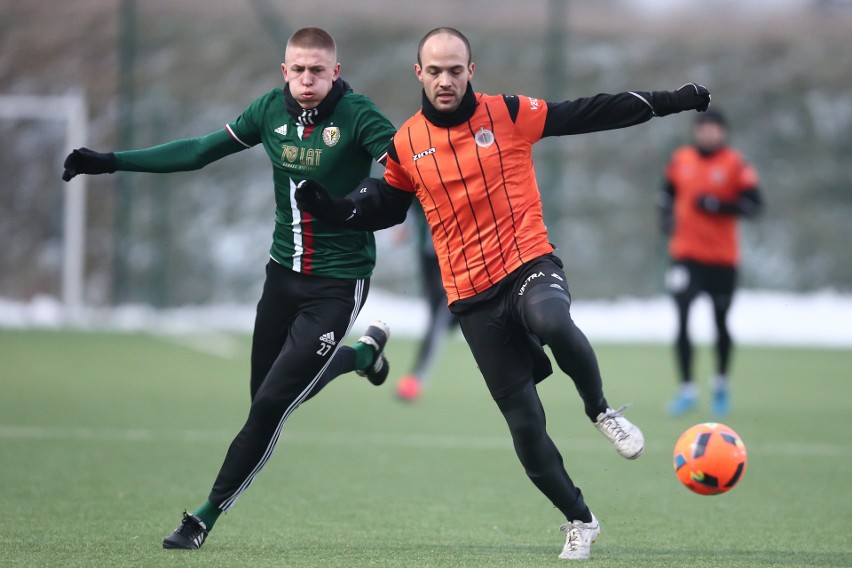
(608, 112)
(176, 156)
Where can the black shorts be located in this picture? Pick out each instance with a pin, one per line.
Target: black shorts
(301, 321)
(686, 279)
(507, 354)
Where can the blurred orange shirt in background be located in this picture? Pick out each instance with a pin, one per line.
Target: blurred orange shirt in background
(698, 235)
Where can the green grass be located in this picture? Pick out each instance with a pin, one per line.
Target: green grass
(106, 438)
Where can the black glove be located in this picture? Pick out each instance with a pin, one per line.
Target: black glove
(85, 161)
(692, 96)
(708, 203)
(688, 97)
(312, 197)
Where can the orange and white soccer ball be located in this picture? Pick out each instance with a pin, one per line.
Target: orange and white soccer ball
(710, 458)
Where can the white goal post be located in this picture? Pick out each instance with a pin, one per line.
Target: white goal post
(70, 110)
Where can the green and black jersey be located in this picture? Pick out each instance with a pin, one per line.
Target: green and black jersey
(337, 152)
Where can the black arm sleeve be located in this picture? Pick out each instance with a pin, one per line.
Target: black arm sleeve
(665, 203)
(749, 204)
(592, 114)
(377, 205)
(608, 112)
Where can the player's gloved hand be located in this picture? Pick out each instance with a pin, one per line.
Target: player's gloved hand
(692, 96)
(708, 203)
(312, 197)
(85, 161)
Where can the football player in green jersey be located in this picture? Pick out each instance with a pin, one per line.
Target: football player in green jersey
(317, 278)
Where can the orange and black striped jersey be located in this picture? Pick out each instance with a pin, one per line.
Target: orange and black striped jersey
(476, 182)
(697, 235)
(477, 186)
(472, 171)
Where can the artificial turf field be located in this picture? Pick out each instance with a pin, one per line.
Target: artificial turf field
(106, 438)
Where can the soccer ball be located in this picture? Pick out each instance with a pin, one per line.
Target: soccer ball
(709, 458)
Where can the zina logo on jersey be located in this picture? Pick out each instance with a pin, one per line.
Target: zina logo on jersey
(424, 153)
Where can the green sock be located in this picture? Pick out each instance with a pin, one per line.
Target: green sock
(208, 513)
(364, 355)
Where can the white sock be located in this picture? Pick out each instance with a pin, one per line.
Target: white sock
(720, 382)
(688, 390)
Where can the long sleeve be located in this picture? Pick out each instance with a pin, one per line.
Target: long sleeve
(608, 112)
(179, 155)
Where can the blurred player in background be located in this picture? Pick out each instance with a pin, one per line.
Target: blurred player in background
(467, 157)
(441, 319)
(708, 187)
(318, 276)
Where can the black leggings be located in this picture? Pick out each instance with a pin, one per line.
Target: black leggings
(719, 283)
(538, 454)
(547, 315)
(506, 332)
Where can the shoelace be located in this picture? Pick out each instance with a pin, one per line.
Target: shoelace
(191, 528)
(573, 532)
(611, 424)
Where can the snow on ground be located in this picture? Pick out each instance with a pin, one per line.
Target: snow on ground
(821, 319)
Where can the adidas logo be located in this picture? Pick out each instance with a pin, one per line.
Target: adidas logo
(557, 277)
(282, 130)
(328, 338)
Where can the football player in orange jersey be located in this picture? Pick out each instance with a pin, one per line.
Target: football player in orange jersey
(708, 186)
(467, 158)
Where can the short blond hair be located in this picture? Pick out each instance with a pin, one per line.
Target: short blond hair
(312, 37)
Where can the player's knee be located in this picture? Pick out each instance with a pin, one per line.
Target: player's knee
(550, 318)
(268, 407)
(523, 414)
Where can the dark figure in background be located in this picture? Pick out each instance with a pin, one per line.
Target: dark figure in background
(441, 319)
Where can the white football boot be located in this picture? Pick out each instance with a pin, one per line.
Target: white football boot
(624, 435)
(579, 537)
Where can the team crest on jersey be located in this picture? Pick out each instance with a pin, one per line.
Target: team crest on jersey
(484, 138)
(331, 136)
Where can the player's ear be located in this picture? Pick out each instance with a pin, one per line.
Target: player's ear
(418, 71)
(471, 68)
(284, 70)
(336, 73)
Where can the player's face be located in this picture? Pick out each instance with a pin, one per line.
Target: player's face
(444, 71)
(310, 72)
(709, 136)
